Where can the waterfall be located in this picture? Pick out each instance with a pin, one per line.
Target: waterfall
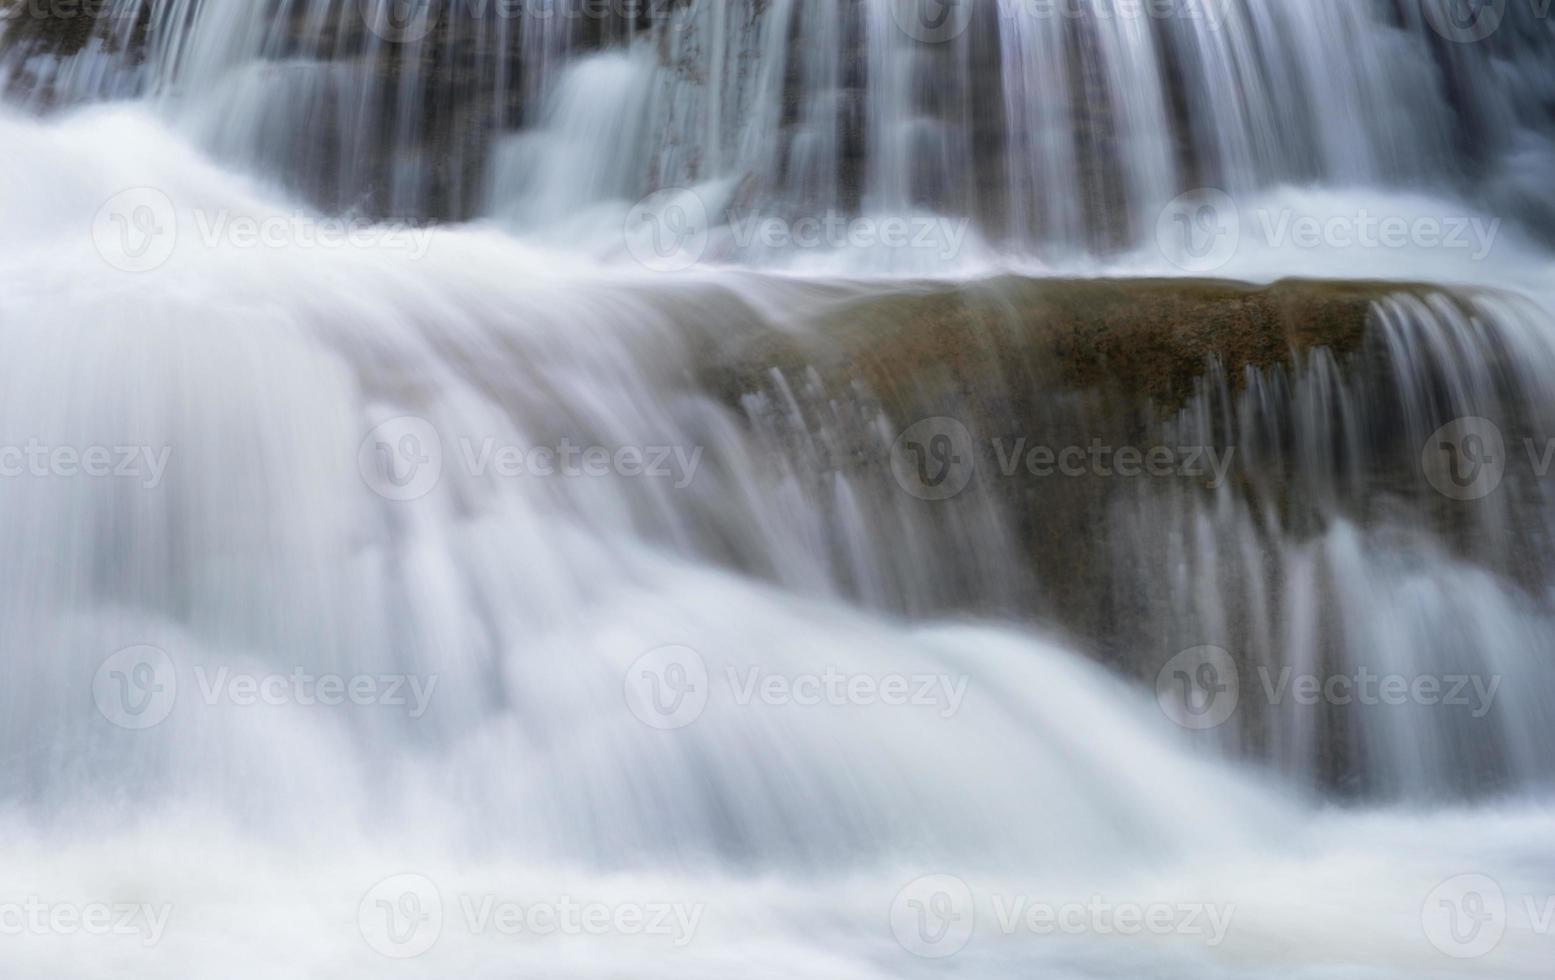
(1056, 125)
(402, 543)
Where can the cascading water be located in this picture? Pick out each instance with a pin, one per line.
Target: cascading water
(633, 583)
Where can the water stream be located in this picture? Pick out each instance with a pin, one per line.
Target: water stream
(427, 540)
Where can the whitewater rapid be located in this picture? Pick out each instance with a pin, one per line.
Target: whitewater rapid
(259, 836)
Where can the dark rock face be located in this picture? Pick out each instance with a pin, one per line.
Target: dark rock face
(1223, 439)
(1148, 340)
(48, 26)
(367, 115)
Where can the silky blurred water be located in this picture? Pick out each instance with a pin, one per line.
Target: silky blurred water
(661, 679)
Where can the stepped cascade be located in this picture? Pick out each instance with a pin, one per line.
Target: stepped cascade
(828, 488)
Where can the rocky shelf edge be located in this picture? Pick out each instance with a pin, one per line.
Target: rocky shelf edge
(1150, 340)
(1138, 363)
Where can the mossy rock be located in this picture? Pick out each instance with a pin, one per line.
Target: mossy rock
(1147, 339)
